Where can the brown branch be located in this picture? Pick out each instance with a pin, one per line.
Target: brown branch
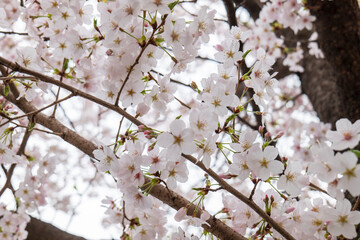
(356, 205)
(240, 196)
(14, 33)
(10, 171)
(149, 42)
(252, 6)
(169, 197)
(75, 91)
(39, 230)
(37, 111)
(87, 147)
(230, 10)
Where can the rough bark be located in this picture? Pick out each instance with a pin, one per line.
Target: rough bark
(335, 89)
(338, 25)
(333, 83)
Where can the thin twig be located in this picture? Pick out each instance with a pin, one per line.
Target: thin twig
(138, 58)
(182, 103)
(253, 190)
(58, 91)
(160, 192)
(318, 188)
(356, 204)
(118, 133)
(14, 33)
(171, 79)
(241, 197)
(37, 111)
(65, 114)
(137, 122)
(75, 91)
(208, 59)
(81, 195)
(17, 77)
(10, 172)
(288, 100)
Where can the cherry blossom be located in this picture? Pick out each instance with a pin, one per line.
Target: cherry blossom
(125, 61)
(263, 163)
(179, 141)
(292, 180)
(106, 157)
(350, 170)
(343, 220)
(345, 136)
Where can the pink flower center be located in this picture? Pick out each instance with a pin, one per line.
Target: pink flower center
(347, 136)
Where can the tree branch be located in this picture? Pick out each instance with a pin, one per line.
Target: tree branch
(39, 230)
(168, 196)
(88, 147)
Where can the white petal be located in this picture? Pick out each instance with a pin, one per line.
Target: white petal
(177, 126)
(165, 139)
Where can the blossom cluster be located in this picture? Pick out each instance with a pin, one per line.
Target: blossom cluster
(116, 56)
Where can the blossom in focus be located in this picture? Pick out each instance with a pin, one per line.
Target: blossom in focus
(350, 170)
(180, 140)
(263, 163)
(292, 180)
(346, 134)
(343, 220)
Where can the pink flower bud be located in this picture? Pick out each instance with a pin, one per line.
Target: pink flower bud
(261, 130)
(267, 136)
(109, 52)
(218, 47)
(141, 128)
(280, 134)
(224, 176)
(193, 85)
(290, 209)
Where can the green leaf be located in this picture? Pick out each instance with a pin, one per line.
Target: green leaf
(6, 90)
(65, 64)
(159, 40)
(231, 117)
(178, 117)
(31, 126)
(246, 53)
(173, 4)
(357, 152)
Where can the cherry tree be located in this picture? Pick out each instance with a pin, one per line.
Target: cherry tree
(241, 116)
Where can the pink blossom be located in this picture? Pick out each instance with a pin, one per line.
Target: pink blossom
(343, 220)
(180, 140)
(346, 134)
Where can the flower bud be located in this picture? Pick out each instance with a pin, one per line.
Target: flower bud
(267, 136)
(290, 209)
(261, 130)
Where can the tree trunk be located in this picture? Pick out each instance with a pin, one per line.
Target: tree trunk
(338, 75)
